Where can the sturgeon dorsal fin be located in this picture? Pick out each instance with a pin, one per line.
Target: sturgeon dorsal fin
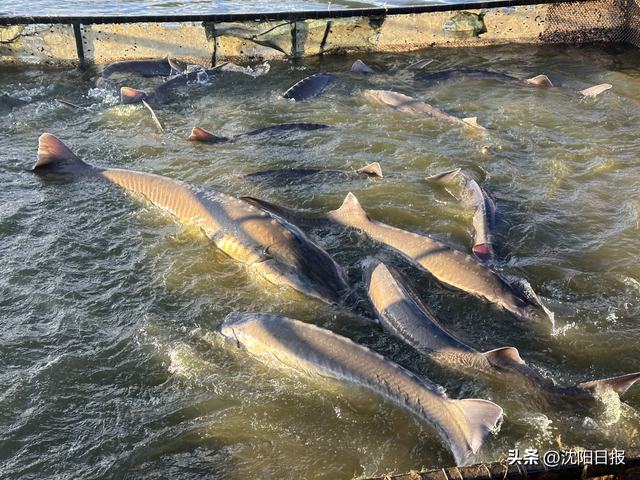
(201, 135)
(482, 418)
(473, 122)
(442, 178)
(360, 67)
(129, 96)
(617, 384)
(51, 151)
(504, 357)
(593, 91)
(175, 68)
(349, 211)
(540, 81)
(373, 169)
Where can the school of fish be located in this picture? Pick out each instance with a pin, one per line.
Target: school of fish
(271, 241)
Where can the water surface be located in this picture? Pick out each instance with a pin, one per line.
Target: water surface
(109, 361)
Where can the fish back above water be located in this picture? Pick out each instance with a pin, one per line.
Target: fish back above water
(407, 104)
(309, 87)
(540, 80)
(286, 174)
(276, 250)
(451, 267)
(463, 424)
(483, 219)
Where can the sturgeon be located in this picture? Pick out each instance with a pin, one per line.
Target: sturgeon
(484, 218)
(462, 424)
(273, 248)
(163, 67)
(538, 81)
(286, 174)
(162, 92)
(407, 104)
(403, 315)
(451, 267)
(201, 135)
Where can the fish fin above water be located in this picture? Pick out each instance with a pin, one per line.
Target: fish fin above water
(372, 169)
(360, 67)
(175, 68)
(350, 208)
(472, 121)
(483, 251)
(419, 65)
(595, 90)
(51, 151)
(617, 384)
(540, 81)
(201, 135)
(504, 357)
(442, 178)
(130, 96)
(308, 88)
(482, 418)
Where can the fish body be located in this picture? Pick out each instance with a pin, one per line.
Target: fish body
(162, 67)
(162, 92)
(287, 174)
(402, 314)
(309, 87)
(407, 104)
(278, 251)
(540, 80)
(451, 267)
(484, 218)
(463, 424)
(201, 135)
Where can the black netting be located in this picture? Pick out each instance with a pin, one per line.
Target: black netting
(593, 21)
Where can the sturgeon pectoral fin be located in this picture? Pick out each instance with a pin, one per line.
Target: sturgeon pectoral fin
(593, 91)
(483, 251)
(373, 169)
(504, 357)
(130, 96)
(540, 81)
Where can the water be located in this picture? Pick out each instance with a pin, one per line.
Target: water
(110, 366)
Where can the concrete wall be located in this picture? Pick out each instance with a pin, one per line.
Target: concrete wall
(208, 42)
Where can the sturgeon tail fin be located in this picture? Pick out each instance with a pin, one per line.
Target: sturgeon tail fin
(349, 212)
(593, 91)
(130, 96)
(482, 418)
(52, 153)
(540, 81)
(373, 170)
(617, 384)
(201, 135)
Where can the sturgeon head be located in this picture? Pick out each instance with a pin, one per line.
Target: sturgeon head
(275, 249)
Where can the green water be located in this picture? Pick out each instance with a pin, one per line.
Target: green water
(110, 366)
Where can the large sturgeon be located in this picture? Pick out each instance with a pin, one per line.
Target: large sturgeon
(463, 424)
(407, 104)
(451, 267)
(285, 175)
(201, 135)
(402, 314)
(273, 248)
